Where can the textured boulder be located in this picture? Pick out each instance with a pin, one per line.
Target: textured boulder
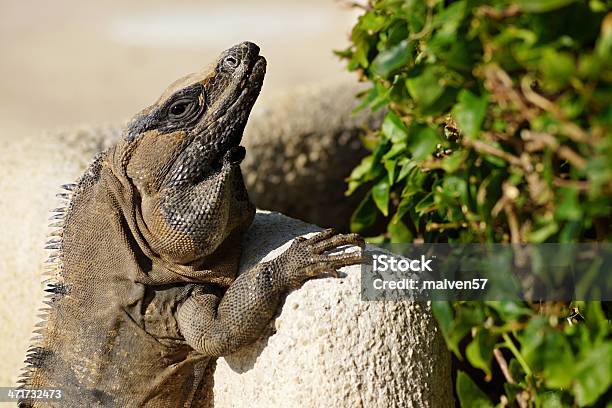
(327, 348)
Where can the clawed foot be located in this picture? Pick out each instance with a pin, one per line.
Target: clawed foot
(310, 257)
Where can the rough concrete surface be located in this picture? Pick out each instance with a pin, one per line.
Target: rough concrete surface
(327, 348)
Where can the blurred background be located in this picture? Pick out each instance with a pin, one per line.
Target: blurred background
(66, 64)
(69, 62)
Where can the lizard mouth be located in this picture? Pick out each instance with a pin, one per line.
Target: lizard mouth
(230, 150)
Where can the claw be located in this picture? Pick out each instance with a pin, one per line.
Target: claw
(337, 241)
(321, 236)
(313, 255)
(340, 260)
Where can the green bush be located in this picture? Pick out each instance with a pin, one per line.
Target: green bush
(498, 129)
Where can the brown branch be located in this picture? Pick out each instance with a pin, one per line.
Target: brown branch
(444, 226)
(499, 357)
(579, 185)
(491, 12)
(501, 361)
(571, 156)
(515, 234)
(571, 129)
(501, 86)
(539, 140)
(485, 148)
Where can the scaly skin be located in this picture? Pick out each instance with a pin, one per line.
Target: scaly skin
(144, 295)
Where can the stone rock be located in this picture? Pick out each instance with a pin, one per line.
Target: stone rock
(327, 348)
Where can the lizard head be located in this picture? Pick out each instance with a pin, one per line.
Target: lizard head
(182, 155)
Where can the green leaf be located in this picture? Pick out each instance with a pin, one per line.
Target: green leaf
(444, 316)
(469, 112)
(532, 338)
(449, 19)
(557, 69)
(550, 399)
(480, 351)
(512, 390)
(407, 166)
(362, 168)
(377, 240)
(359, 173)
(377, 97)
(604, 43)
(372, 21)
(596, 321)
(360, 39)
(393, 128)
(406, 203)
(557, 360)
(422, 141)
(425, 205)
(399, 232)
(516, 370)
(391, 59)
(380, 193)
(365, 215)
(426, 88)
(542, 234)
(379, 152)
(452, 163)
(390, 166)
(569, 207)
(469, 393)
(455, 327)
(396, 150)
(508, 310)
(593, 374)
(541, 6)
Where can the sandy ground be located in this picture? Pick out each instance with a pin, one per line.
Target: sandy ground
(65, 63)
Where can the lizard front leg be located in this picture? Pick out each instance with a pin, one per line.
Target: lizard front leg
(218, 326)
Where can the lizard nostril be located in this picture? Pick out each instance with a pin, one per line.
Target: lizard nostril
(251, 48)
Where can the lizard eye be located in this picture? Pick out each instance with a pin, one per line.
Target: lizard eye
(182, 109)
(179, 108)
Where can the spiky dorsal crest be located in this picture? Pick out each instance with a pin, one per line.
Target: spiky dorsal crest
(53, 286)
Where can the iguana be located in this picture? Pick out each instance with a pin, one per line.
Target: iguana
(145, 294)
